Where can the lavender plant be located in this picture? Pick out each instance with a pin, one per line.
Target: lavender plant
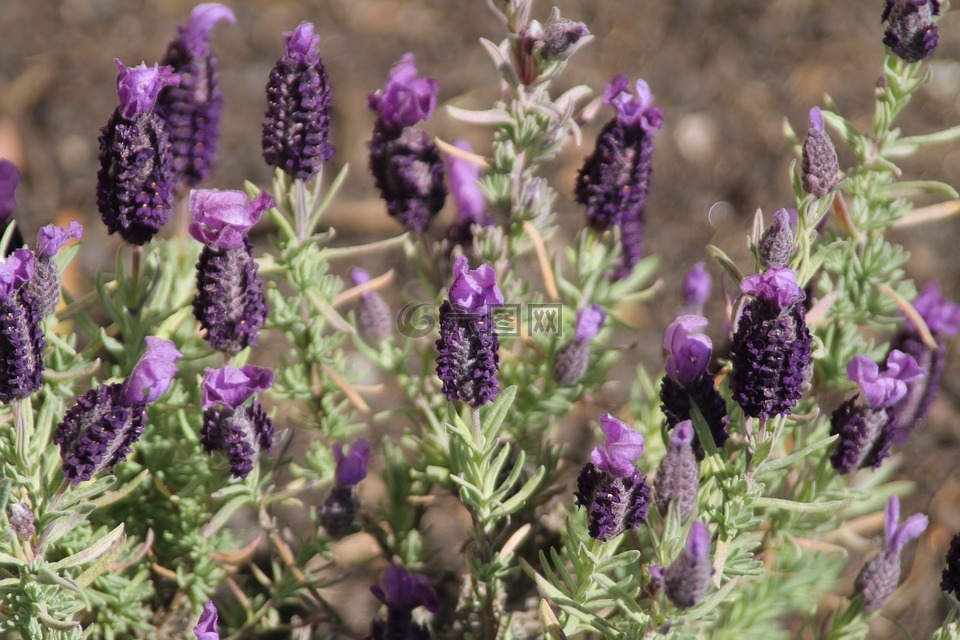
(150, 468)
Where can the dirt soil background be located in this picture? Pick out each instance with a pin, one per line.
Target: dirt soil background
(726, 73)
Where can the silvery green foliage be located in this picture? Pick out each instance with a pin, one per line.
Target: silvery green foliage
(139, 552)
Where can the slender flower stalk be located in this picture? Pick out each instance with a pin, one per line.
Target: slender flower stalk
(191, 109)
(136, 180)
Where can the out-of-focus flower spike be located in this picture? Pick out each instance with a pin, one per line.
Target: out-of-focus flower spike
(879, 577)
(686, 581)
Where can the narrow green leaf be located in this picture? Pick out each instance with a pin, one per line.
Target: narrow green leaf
(725, 263)
(800, 507)
(515, 503)
(795, 457)
(92, 552)
(495, 416)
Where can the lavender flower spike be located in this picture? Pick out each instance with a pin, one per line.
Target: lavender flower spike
(468, 359)
(776, 244)
(571, 360)
(678, 479)
(819, 169)
(950, 576)
(402, 592)
(374, 318)
(340, 508)
(21, 335)
(206, 628)
(404, 161)
(911, 35)
(296, 124)
(613, 491)
(192, 109)
(135, 183)
(230, 303)
(697, 284)
(686, 580)
(406, 99)
(238, 428)
(879, 577)
(45, 286)
(771, 346)
(102, 427)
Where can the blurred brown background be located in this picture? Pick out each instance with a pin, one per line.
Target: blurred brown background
(726, 73)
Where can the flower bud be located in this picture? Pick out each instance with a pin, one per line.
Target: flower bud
(819, 169)
(776, 244)
(45, 285)
(686, 581)
(374, 318)
(571, 360)
(678, 479)
(879, 577)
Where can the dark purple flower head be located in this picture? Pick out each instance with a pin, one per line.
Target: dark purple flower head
(351, 467)
(138, 87)
(950, 577)
(865, 435)
(880, 575)
(677, 401)
(223, 218)
(153, 374)
(776, 287)
(776, 244)
(884, 389)
(470, 201)
(686, 581)
(303, 44)
(622, 448)
(614, 504)
(633, 110)
(15, 271)
(589, 321)
(296, 123)
(9, 179)
(206, 628)
(911, 34)
(231, 387)
(819, 169)
(406, 99)
(941, 315)
(204, 17)
(474, 290)
(689, 352)
(678, 478)
(403, 591)
(697, 284)
(51, 238)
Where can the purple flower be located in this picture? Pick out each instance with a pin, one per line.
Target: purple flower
(402, 592)
(884, 389)
(678, 479)
(621, 449)
(21, 334)
(911, 34)
(231, 424)
(352, 467)
(102, 427)
(941, 315)
(635, 111)
(52, 238)
(136, 181)
(45, 285)
(697, 284)
(153, 373)
(950, 576)
(223, 218)
(777, 287)
(474, 290)
(689, 352)
(296, 124)
(406, 99)
(9, 179)
(880, 575)
(686, 580)
(819, 169)
(206, 628)
(341, 506)
(191, 110)
(776, 244)
(467, 195)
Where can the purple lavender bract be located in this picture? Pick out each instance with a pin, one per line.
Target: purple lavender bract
(191, 110)
(206, 628)
(21, 335)
(697, 284)
(771, 346)
(238, 428)
(402, 592)
(911, 35)
(296, 125)
(614, 180)
(230, 303)
(879, 577)
(136, 182)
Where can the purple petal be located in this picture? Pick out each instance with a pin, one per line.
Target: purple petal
(776, 286)
(15, 271)
(230, 387)
(52, 238)
(359, 276)
(153, 374)
(682, 433)
(891, 518)
(303, 44)
(463, 175)
(816, 120)
(696, 286)
(589, 321)
(475, 290)
(202, 20)
(698, 541)
(404, 591)
(902, 366)
(909, 530)
(688, 352)
(941, 315)
(352, 467)
(138, 87)
(406, 99)
(206, 628)
(633, 111)
(9, 179)
(623, 446)
(223, 218)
